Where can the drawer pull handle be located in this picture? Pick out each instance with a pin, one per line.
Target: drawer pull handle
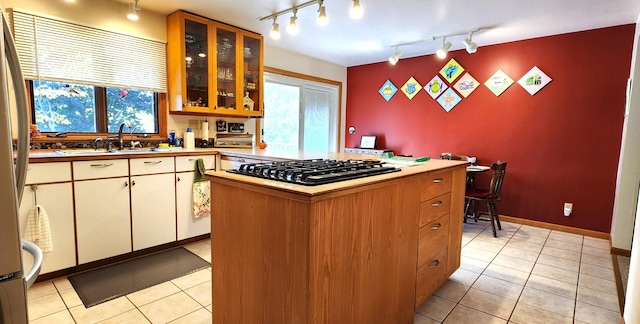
(434, 264)
(101, 165)
(152, 162)
(436, 226)
(437, 203)
(191, 160)
(438, 180)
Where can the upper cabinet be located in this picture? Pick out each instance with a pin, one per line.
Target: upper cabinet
(213, 68)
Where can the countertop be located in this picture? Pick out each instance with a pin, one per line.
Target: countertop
(88, 154)
(428, 166)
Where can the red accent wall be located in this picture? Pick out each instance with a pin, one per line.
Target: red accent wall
(561, 145)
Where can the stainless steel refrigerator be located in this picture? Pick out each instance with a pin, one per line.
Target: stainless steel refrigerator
(13, 278)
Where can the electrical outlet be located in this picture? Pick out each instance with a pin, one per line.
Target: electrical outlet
(568, 209)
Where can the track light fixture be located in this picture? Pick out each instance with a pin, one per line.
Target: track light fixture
(442, 52)
(322, 20)
(293, 28)
(395, 57)
(469, 44)
(275, 32)
(133, 8)
(356, 11)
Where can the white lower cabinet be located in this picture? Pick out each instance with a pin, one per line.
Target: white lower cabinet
(187, 225)
(103, 221)
(153, 210)
(57, 200)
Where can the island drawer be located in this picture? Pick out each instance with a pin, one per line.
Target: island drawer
(434, 208)
(188, 163)
(151, 165)
(431, 276)
(48, 172)
(432, 238)
(435, 184)
(97, 169)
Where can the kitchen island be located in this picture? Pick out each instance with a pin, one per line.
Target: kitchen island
(367, 250)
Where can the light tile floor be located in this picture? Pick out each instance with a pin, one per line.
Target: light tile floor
(526, 275)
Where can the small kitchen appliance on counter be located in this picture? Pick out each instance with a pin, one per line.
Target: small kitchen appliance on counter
(235, 140)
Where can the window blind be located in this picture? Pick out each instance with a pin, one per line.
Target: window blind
(56, 50)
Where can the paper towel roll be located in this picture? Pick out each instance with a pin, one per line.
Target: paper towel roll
(205, 130)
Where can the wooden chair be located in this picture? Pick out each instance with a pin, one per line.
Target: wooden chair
(490, 196)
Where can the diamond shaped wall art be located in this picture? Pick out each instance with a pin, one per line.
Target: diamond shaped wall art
(449, 99)
(534, 80)
(466, 85)
(451, 70)
(411, 88)
(435, 87)
(387, 90)
(498, 82)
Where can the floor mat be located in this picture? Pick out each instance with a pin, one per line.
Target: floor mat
(104, 284)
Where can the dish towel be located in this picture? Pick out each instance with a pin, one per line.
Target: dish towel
(201, 190)
(38, 230)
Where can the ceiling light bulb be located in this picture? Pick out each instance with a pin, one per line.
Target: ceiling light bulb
(470, 45)
(293, 28)
(275, 32)
(323, 20)
(442, 52)
(133, 15)
(202, 54)
(395, 57)
(356, 11)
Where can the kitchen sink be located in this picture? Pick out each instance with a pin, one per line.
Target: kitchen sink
(85, 152)
(125, 151)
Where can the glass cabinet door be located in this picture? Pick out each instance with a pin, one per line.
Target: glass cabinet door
(226, 69)
(252, 75)
(196, 64)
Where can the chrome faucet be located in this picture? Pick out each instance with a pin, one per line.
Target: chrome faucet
(120, 141)
(96, 143)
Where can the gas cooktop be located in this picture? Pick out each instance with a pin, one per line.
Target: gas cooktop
(314, 172)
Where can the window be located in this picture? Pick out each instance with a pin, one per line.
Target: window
(80, 108)
(301, 113)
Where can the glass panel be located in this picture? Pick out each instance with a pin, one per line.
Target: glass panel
(226, 49)
(64, 107)
(317, 106)
(281, 116)
(197, 64)
(252, 82)
(131, 106)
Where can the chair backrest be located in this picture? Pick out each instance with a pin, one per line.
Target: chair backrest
(499, 169)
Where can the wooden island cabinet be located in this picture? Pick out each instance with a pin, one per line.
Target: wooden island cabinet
(360, 251)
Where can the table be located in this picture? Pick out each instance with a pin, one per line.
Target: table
(472, 170)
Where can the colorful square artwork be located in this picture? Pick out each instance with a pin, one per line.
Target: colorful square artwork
(498, 83)
(435, 87)
(466, 85)
(387, 90)
(534, 80)
(451, 70)
(411, 88)
(449, 99)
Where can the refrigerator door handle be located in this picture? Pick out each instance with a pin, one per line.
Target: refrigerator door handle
(21, 106)
(36, 252)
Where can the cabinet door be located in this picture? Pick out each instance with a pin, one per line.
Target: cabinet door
(102, 218)
(153, 210)
(187, 225)
(252, 74)
(226, 69)
(57, 201)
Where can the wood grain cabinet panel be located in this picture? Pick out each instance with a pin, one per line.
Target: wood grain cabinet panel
(435, 208)
(435, 184)
(431, 276)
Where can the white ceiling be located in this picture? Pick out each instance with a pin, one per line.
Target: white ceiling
(350, 42)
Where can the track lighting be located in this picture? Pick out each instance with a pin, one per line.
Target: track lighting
(442, 52)
(275, 32)
(395, 57)
(356, 11)
(469, 44)
(293, 28)
(133, 8)
(322, 20)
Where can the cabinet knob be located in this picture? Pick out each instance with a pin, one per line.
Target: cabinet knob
(126, 184)
(133, 183)
(178, 179)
